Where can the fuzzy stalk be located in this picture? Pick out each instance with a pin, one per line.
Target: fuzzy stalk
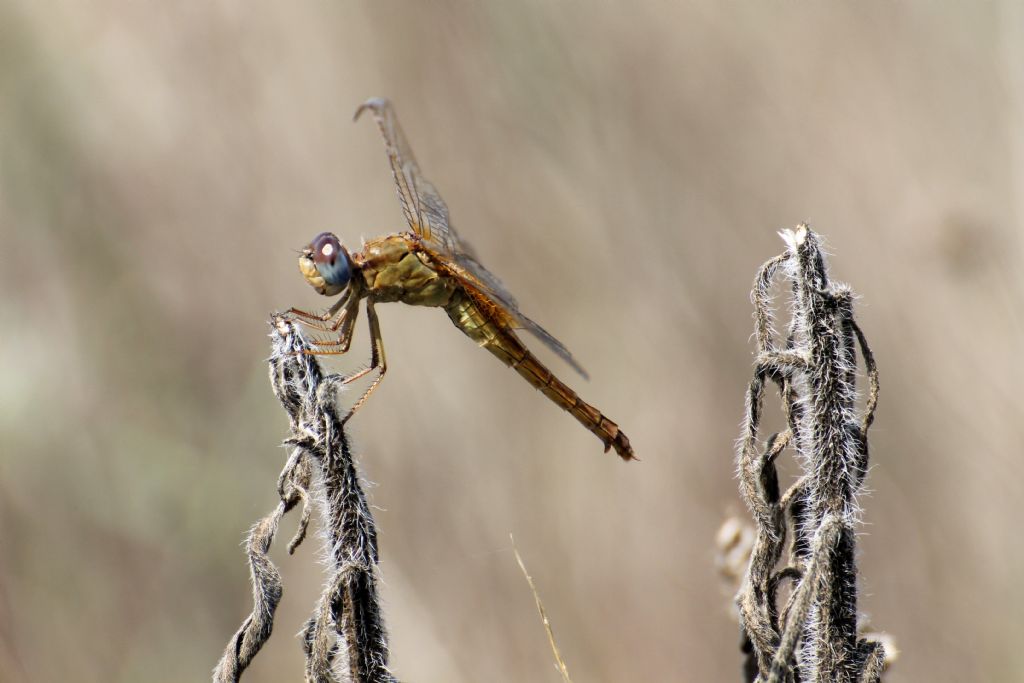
(346, 631)
(813, 636)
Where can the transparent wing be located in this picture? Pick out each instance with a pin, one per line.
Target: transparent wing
(427, 216)
(473, 274)
(425, 210)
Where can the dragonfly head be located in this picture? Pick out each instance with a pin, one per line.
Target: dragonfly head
(326, 265)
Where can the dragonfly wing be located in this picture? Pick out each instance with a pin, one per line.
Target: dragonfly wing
(486, 283)
(425, 211)
(427, 215)
(491, 284)
(549, 341)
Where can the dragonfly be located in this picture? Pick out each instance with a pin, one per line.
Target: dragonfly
(430, 266)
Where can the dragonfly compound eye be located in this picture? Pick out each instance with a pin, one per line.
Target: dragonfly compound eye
(331, 261)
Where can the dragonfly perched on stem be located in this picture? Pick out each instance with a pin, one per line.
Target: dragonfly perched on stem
(430, 266)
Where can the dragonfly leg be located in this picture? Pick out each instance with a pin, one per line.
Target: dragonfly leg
(319, 321)
(378, 361)
(341, 343)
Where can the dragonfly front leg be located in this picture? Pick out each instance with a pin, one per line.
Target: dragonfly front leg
(339, 345)
(377, 361)
(319, 321)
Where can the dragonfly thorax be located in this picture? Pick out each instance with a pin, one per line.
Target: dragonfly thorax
(393, 270)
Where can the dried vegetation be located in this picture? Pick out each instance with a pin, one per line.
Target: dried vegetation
(344, 638)
(814, 635)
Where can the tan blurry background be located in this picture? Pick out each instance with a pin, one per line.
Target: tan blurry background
(624, 171)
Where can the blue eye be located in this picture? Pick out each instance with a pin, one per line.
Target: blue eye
(331, 260)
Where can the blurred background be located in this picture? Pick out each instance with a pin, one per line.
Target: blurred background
(625, 173)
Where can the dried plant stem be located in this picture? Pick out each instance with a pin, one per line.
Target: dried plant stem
(814, 636)
(266, 580)
(559, 662)
(347, 621)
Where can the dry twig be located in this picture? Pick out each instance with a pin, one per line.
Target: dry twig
(346, 623)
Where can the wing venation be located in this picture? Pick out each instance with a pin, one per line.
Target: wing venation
(427, 215)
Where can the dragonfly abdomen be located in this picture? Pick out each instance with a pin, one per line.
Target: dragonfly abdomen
(471, 319)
